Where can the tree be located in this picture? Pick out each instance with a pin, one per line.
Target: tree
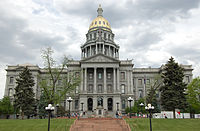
(53, 92)
(6, 107)
(151, 96)
(193, 96)
(172, 91)
(42, 103)
(24, 96)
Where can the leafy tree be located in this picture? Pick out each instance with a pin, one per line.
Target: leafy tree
(61, 111)
(151, 96)
(136, 108)
(42, 103)
(6, 107)
(53, 92)
(24, 96)
(193, 95)
(172, 92)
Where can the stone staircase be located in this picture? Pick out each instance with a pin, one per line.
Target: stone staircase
(100, 124)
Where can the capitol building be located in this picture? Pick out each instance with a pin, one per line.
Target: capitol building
(106, 81)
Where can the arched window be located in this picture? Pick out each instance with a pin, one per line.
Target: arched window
(110, 104)
(100, 101)
(90, 104)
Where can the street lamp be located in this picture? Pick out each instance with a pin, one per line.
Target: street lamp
(49, 108)
(141, 105)
(149, 108)
(57, 105)
(82, 106)
(69, 100)
(130, 99)
(117, 106)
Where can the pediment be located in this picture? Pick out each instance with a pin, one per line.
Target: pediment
(100, 58)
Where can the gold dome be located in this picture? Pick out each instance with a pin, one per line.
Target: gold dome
(100, 21)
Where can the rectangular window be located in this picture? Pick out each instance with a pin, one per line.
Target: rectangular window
(109, 88)
(140, 81)
(122, 75)
(187, 79)
(147, 81)
(123, 104)
(59, 82)
(90, 88)
(76, 104)
(11, 80)
(100, 89)
(99, 22)
(90, 76)
(109, 76)
(123, 89)
(100, 75)
(76, 91)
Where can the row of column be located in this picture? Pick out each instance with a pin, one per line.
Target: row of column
(84, 53)
(116, 85)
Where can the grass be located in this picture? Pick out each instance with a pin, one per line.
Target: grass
(142, 124)
(35, 124)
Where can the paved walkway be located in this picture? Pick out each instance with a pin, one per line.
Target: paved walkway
(100, 124)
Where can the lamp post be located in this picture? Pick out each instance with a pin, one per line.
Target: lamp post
(130, 99)
(57, 110)
(117, 106)
(69, 100)
(82, 106)
(149, 108)
(49, 108)
(141, 105)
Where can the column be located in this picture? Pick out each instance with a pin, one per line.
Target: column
(90, 50)
(131, 81)
(85, 88)
(104, 79)
(95, 79)
(82, 80)
(86, 55)
(118, 86)
(103, 48)
(109, 53)
(114, 80)
(96, 49)
(128, 82)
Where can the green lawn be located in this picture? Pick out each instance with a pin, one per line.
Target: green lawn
(35, 124)
(142, 124)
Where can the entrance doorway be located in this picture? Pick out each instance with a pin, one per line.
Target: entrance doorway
(110, 104)
(90, 104)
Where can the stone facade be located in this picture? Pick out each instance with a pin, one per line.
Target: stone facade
(105, 80)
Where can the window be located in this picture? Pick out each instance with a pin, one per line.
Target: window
(100, 89)
(76, 91)
(99, 101)
(90, 76)
(77, 74)
(123, 104)
(109, 75)
(95, 35)
(123, 89)
(109, 88)
(140, 93)
(104, 35)
(148, 81)
(122, 75)
(140, 81)
(187, 79)
(95, 22)
(59, 82)
(104, 22)
(100, 75)
(76, 104)
(10, 92)
(109, 36)
(11, 80)
(99, 22)
(90, 88)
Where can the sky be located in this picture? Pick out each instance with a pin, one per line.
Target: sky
(148, 31)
